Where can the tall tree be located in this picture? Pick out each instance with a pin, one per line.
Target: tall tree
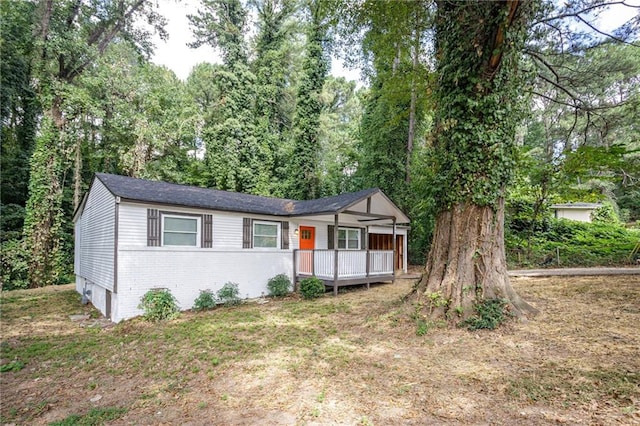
(478, 107)
(339, 124)
(478, 100)
(221, 24)
(69, 39)
(275, 92)
(304, 183)
(19, 109)
(232, 151)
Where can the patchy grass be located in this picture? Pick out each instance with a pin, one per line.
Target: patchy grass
(354, 359)
(95, 417)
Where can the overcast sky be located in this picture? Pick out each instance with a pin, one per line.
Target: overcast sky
(177, 56)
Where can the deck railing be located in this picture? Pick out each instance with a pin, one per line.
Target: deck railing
(351, 263)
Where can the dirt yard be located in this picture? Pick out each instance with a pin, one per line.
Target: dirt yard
(351, 360)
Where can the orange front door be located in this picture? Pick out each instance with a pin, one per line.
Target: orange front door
(307, 235)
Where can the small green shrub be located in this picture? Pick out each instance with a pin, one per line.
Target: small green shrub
(229, 294)
(15, 264)
(422, 327)
(279, 286)
(311, 288)
(12, 366)
(490, 313)
(205, 300)
(159, 305)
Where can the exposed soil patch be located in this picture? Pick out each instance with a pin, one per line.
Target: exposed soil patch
(354, 359)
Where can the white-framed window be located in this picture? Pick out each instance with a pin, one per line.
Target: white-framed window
(266, 234)
(348, 239)
(180, 230)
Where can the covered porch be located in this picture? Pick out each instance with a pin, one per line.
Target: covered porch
(355, 240)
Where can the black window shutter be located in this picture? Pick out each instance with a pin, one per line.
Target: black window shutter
(153, 228)
(284, 236)
(247, 233)
(330, 243)
(363, 238)
(207, 231)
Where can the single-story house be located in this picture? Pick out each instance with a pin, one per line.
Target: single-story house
(133, 235)
(575, 211)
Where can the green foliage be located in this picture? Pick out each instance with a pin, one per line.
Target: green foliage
(43, 228)
(576, 244)
(205, 300)
(276, 59)
(19, 109)
(159, 305)
(221, 24)
(311, 288)
(490, 313)
(338, 135)
(304, 183)
(15, 265)
(382, 149)
(229, 294)
(422, 328)
(95, 417)
(605, 214)
(12, 366)
(478, 106)
(422, 206)
(280, 285)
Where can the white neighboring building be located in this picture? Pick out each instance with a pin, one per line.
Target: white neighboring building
(580, 212)
(134, 235)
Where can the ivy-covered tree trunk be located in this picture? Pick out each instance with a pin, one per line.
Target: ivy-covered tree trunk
(44, 215)
(87, 31)
(304, 183)
(478, 106)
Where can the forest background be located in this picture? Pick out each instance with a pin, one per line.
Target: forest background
(80, 95)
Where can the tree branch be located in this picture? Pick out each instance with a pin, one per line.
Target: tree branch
(544, 62)
(618, 39)
(562, 89)
(576, 14)
(554, 100)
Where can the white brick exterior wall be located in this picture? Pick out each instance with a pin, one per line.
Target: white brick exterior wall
(187, 270)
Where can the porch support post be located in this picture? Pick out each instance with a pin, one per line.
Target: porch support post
(295, 279)
(366, 247)
(366, 242)
(394, 249)
(335, 254)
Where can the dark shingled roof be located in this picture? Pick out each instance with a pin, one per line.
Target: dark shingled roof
(129, 188)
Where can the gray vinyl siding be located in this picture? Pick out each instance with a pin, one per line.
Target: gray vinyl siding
(95, 238)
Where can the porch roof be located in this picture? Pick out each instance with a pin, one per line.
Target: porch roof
(367, 206)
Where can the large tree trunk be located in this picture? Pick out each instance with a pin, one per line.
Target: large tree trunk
(478, 108)
(467, 262)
